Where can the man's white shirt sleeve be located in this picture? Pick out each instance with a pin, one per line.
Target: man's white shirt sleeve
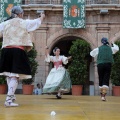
(115, 48)
(94, 52)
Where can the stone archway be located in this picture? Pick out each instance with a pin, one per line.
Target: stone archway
(64, 33)
(64, 44)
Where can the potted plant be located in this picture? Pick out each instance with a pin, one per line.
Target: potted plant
(3, 85)
(27, 84)
(78, 67)
(115, 73)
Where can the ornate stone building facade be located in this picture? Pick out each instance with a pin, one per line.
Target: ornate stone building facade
(102, 20)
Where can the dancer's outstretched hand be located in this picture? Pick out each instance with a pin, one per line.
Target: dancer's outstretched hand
(42, 15)
(46, 47)
(112, 43)
(69, 57)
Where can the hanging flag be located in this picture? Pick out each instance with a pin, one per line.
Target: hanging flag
(74, 13)
(5, 8)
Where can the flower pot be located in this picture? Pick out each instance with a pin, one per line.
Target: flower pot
(77, 90)
(28, 89)
(3, 89)
(116, 90)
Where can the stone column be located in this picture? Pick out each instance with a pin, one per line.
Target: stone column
(102, 31)
(40, 44)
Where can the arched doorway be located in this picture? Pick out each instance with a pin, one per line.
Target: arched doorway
(64, 44)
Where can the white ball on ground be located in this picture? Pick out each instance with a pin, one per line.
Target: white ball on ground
(53, 113)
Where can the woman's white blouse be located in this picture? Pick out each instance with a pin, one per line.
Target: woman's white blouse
(31, 25)
(49, 58)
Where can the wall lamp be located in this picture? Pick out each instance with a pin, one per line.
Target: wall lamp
(104, 11)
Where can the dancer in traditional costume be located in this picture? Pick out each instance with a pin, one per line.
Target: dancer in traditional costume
(58, 80)
(104, 64)
(16, 40)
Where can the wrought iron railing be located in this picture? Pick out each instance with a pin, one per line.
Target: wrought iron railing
(59, 2)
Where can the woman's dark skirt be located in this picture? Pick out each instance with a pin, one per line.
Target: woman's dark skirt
(14, 60)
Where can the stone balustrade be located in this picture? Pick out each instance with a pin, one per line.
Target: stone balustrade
(59, 2)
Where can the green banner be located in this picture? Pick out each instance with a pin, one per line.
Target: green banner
(74, 13)
(5, 8)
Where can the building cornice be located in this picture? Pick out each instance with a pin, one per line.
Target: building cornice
(47, 7)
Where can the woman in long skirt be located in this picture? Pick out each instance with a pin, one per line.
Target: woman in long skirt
(14, 62)
(58, 80)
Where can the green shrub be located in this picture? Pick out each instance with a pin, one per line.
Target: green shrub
(33, 64)
(115, 72)
(78, 67)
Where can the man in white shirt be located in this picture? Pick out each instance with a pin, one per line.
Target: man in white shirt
(16, 39)
(104, 64)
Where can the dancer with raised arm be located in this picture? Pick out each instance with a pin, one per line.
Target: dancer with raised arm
(58, 80)
(104, 64)
(14, 62)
